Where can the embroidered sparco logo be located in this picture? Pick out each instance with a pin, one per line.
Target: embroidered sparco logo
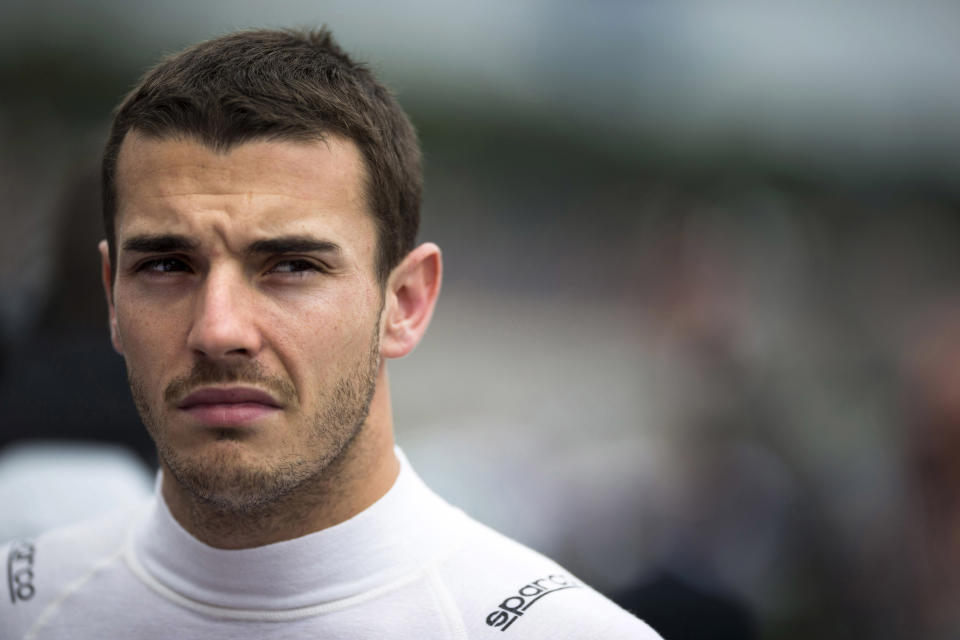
(516, 605)
(20, 571)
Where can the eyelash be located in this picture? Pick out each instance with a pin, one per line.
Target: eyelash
(170, 264)
(304, 265)
(156, 265)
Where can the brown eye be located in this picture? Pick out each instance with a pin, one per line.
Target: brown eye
(294, 266)
(163, 265)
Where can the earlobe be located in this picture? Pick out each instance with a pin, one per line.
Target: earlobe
(106, 274)
(412, 292)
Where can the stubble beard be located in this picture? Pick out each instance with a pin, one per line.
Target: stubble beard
(223, 481)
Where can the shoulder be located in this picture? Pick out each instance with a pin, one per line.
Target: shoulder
(38, 571)
(499, 584)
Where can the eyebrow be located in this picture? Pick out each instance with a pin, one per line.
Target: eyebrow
(165, 243)
(293, 244)
(168, 243)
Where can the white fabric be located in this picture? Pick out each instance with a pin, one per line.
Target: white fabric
(44, 485)
(410, 566)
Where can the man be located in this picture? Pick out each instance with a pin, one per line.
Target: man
(261, 203)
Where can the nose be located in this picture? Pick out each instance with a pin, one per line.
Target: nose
(224, 323)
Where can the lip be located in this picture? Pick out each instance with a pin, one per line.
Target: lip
(230, 395)
(224, 407)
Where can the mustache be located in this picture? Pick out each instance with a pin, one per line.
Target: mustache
(207, 372)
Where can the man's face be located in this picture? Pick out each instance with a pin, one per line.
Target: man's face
(246, 306)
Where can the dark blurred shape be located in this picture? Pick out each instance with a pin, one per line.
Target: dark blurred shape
(932, 385)
(681, 611)
(75, 301)
(69, 386)
(62, 378)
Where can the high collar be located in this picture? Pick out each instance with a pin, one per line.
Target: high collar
(399, 534)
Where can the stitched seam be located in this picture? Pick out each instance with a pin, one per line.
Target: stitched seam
(448, 605)
(51, 609)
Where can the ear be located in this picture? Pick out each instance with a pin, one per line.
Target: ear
(108, 290)
(411, 295)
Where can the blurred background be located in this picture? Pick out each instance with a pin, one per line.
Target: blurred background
(699, 338)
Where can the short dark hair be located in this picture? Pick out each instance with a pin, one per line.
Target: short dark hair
(283, 85)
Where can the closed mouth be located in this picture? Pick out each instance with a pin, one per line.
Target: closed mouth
(228, 396)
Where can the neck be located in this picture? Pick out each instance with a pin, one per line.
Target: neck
(357, 477)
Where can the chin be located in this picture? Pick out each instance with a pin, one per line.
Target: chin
(224, 476)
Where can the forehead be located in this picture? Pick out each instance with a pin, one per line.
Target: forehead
(264, 183)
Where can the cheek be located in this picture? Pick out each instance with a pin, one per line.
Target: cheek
(318, 343)
(309, 342)
(149, 339)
